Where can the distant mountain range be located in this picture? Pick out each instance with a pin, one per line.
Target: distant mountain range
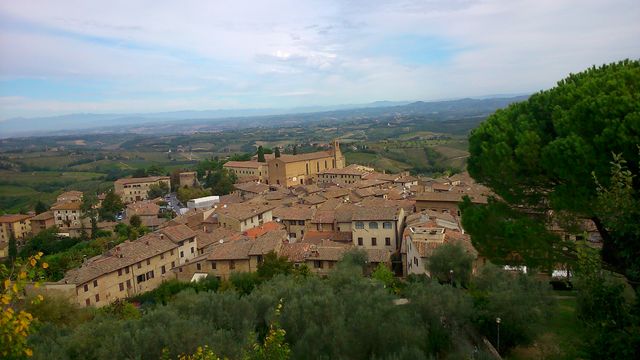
(80, 123)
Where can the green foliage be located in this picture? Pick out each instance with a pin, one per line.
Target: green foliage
(260, 153)
(451, 263)
(273, 265)
(220, 181)
(13, 247)
(40, 207)
(542, 154)
(385, 276)
(155, 170)
(185, 194)
(519, 300)
(48, 242)
(170, 288)
(135, 221)
(159, 190)
(277, 152)
(244, 282)
(111, 205)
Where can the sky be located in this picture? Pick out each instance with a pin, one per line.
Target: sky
(59, 57)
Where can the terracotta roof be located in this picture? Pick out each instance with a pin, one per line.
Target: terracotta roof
(295, 252)
(329, 250)
(208, 238)
(304, 157)
(352, 169)
(362, 213)
(252, 187)
(42, 216)
(378, 255)
(271, 241)
(141, 180)
(125, 254)
(314, 199)
(370, 183)
(70, 194)
(144, 208)
(235, 250)
(11, 218)
(298, 212)
(67, 205)
(324, 217)
(177, 233)
(243, 211)
(381, 176)
(335, 192)
(344, 212)
(261, 230)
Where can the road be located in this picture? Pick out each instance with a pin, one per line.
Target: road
(174, 203)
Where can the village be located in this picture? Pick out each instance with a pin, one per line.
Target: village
(310, 208)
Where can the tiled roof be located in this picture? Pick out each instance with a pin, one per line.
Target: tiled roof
(67, 205)
(208, 238)
(252, 187)
(369, 213)
(378, 255)
(42, 216)
(271, 241)
(304, 157)
(314, 199)
(144, 208)
(141, 180)
(352, 169)
(243, 211)
(329, 250)
(177, 233)
(298, 212)
(11, 218)
(125, 254)
(324, 217)
(449, 197)
(295, 252)
(261, 230)
(315, 237)
(235, 250)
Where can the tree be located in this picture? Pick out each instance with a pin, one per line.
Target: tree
(261, 154)
(220, 182)
(155, 170)
(135, 221)
(295, 150)
(111, 205)
(540, 157)
(185, 194)
(13, 247)
(272, 265)
(158, 190)
(40, 207)
(384, 275)
(451, 263)
(277, 152)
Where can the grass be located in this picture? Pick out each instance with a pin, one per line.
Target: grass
(562, 339)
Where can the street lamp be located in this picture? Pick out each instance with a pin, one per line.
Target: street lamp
(451, 276)
(498, 320)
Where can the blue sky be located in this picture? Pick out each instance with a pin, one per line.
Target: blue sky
(61, 57)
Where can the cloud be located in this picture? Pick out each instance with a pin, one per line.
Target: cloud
(150, 55)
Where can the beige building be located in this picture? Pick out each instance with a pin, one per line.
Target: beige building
(148, 212)
(70, 196)
(185, 238)
(377, 228)
(294, 218)
(136, 189)
(242, 255)
(254, 169)
(188, 179)
(243, 216)
(67, 214)
(128, 269)
(17, 224)
(42, 221)
(347, 175)
(291, 170)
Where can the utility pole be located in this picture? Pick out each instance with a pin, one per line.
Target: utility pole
(498, 340)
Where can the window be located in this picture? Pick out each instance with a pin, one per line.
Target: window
(86, 287)
(119, 272)
(126, 270)
(150, 275)
(163, 269)
(161, 256)
(259, 216)
(128, 284)
(360, 242)
(139, 265)
(213, 265)
(148, 261)
(373, 225)
(387, 241)
(171, 252)
(374, 241)
(232, 264)
(292, 235)
(359, 225)
(181, 253)
(140, 278)
(121, 285)
(300, 222)
(95, 283)
(193, 250)
(317, 264)
(387, 225)
(87, 302)
(97, 297)
(198, 266)
(173, 264)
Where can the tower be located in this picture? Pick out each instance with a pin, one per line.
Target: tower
(338, 158)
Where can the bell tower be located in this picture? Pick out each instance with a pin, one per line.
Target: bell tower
(338, 158)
